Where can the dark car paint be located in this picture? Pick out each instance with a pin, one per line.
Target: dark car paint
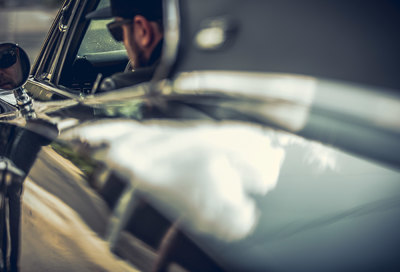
(286, 222)
(353, 41)
(311, 222)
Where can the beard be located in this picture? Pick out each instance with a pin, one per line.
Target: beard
(140, 60)
(7, 83)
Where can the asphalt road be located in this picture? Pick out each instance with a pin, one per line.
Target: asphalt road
(61, 221)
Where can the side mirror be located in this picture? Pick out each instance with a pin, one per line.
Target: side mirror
(14, 67)
(14, 72)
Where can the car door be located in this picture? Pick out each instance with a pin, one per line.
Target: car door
(325, 71)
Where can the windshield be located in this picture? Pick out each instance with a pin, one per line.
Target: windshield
(97, 38)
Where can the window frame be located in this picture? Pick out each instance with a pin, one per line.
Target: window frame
(60, 47)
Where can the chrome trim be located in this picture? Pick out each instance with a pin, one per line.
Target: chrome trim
(171, 39)
(62, 40)
(279, 98)
(121, 215)
(25, 104)
(10, 171)
(257, 85)
(51, 89)
(377, 106)
(8, 97)
(61, 26)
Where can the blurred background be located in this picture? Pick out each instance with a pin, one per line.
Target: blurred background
(26, 22)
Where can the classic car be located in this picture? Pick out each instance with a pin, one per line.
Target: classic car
(267, 140)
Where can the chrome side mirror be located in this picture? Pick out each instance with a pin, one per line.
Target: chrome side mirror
(14, 72)
(14, 67)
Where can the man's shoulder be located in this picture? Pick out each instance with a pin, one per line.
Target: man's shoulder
(126, 79)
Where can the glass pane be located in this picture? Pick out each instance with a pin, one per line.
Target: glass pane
(97, 38)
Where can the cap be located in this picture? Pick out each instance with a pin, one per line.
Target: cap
(150, 9)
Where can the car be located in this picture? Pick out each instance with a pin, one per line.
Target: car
(267, 139)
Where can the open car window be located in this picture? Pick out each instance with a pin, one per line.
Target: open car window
(98, 54)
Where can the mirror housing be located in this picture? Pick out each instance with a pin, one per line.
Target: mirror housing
(14, 72)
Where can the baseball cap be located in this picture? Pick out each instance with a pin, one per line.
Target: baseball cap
(150, 9)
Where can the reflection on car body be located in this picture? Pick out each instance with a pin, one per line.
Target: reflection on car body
(276, 151)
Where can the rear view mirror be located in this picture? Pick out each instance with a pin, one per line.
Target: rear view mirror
(14, 66)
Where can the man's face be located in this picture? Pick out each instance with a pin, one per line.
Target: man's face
(135, 53)
(10, 76)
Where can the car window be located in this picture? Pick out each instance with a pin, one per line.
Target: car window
(97, 56)
(97, 38)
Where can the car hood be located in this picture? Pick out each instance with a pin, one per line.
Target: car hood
(252, 198)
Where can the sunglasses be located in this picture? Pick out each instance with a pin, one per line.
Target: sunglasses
(8, 57)
(115, 28)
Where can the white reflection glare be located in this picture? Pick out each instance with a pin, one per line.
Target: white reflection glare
(320, 156)
(210, 38)
(206, 172)
(297, 92)
(8, 97)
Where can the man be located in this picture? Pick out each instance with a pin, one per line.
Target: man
(138, 24)
(11, 74)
